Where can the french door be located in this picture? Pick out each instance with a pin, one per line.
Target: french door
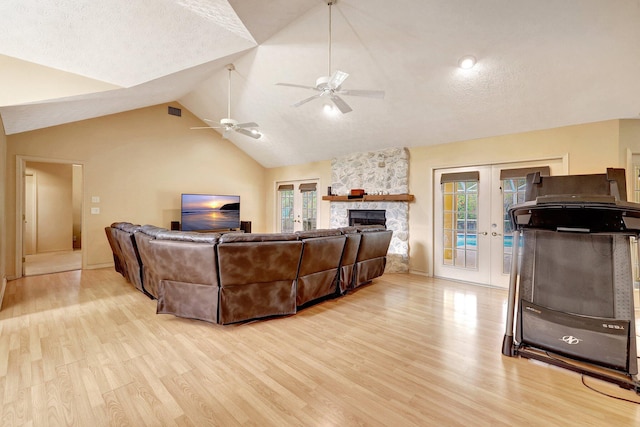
(297, 206)
(472, 232)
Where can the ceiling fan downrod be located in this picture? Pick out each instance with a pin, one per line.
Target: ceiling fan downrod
(329, 61)
(230, 67)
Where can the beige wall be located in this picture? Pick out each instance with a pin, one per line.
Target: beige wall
(588, 148)
(138, 163)
(54, 213)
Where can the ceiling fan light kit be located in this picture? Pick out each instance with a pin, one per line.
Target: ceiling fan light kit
(330, 86)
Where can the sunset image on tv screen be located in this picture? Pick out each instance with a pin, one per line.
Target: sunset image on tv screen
(202, 212)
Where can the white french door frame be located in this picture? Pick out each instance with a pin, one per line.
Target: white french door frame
(490, 215)
(298, 220)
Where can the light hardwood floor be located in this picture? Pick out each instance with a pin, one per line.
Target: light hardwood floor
(85, 348)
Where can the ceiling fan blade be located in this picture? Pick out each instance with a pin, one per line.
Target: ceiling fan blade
(247, 125)
(294, 85)
(304, 101)
(202, 127)
(339, 102)
(254, 135)
(367, 93)
(216, 125)
(337, 79)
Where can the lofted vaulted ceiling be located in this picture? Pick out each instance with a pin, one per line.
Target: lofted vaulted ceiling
(540, 64)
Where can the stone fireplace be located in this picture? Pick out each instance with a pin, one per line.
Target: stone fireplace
(384, 172)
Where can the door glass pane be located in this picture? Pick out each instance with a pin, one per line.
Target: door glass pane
(513, 192)
(286, 211)
(309, 210)
(460, 224)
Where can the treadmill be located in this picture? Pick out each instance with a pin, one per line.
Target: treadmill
(570, 300)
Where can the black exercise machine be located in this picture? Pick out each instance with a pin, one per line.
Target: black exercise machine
(571, 285)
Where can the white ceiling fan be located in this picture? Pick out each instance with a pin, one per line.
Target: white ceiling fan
(229, 124)
(330, 86)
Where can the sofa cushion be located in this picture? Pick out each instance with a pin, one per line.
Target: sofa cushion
(126, 226)
(187, 236)
(318, 233)
(370, 228)
(348, 230)
(152, 230)
(257, 237)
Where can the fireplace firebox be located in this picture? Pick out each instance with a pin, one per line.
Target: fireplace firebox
(367, 217)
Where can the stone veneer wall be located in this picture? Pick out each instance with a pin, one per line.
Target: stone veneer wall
(386, 172)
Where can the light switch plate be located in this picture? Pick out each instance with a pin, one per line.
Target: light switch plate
(95, 199)
(95, 211)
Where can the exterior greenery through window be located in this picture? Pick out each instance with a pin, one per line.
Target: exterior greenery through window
(286, 211)
(513, 192)
(309, 210)
(460, 224)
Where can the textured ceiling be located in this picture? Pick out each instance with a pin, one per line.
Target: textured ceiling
(540, 64)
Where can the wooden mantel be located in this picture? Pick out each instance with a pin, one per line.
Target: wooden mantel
(372, 198)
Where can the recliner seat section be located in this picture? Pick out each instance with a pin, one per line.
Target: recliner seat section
(350, 253)
(184, 265)
(234, 277)
(257, 275)
(372, 254)
(124, 234)
(320, 264)
(150, 279)
(118, 261)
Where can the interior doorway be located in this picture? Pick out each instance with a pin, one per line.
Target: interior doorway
(49, 236)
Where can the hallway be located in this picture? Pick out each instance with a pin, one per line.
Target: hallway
(53, 262)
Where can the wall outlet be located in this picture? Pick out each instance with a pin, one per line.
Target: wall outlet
(95, 199)
(95, 211)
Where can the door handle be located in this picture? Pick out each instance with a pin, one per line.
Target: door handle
(495, 234)
(483, 233)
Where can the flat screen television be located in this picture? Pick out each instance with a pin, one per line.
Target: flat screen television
(208, 212)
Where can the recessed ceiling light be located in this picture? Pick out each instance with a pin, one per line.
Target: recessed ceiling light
(467, 62)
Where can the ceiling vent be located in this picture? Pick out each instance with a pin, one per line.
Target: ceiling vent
(175, 111)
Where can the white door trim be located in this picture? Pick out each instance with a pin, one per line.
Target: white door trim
(21, 165)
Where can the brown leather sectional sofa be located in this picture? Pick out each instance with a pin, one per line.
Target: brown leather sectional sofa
(233, 277)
